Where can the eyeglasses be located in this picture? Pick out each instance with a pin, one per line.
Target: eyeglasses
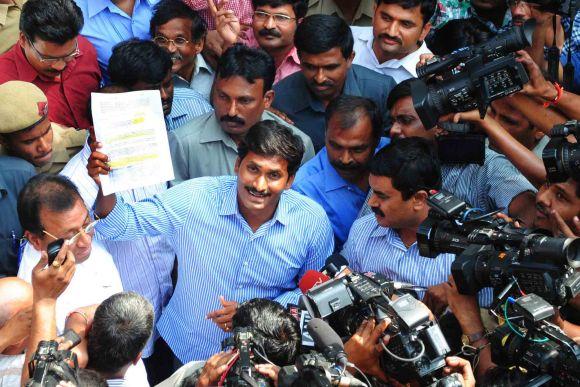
(279, 18)
(85, 230)
(52, 60)
(164, 42)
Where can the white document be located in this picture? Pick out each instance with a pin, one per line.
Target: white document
(131, 127)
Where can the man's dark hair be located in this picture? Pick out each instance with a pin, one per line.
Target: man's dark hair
(138, 60)
(55, 21)
(167, 10)
(350, 109)
(269, 138)
(55, 193)
(275, 327)
(121, 327)
(249, 63)
(321, 33)
(90, 378)
(412, 165)
(400, 91)
(427, 6)
(300, 7)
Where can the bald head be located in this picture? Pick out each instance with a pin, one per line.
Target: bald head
(15, 295)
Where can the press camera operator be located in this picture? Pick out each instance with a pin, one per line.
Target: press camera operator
(274, 327)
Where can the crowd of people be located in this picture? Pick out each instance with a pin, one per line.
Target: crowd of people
(293, 135)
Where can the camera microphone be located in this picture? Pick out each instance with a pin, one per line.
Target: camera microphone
(310, 279)
(328, 341)
(334, 264)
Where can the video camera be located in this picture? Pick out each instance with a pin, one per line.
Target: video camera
(562, 158)
(327, 368)
(531, 342)
(243, 372)
(417, 347)
(472, 77)
(50, 366)
(492, 252)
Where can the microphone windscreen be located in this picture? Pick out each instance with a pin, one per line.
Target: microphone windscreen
(310, 279)
(337, 260)
(323, 335)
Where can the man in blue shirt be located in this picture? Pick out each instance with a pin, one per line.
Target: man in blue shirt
(325, 47)
(337, 178)
(235, 237)
(108, 22)
(142, 65)
(401, 176)
(496, 184)
(14, 173)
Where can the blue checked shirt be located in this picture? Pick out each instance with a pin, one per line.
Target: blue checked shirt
(219, 254)
(574, 44)
(187, 104)
(371, 247)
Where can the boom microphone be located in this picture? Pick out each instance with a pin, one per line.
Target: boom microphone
(328, 341)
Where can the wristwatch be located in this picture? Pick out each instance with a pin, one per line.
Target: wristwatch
(472, 338)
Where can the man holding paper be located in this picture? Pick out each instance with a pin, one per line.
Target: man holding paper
(235, 237)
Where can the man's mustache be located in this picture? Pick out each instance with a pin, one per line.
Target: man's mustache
(346, 167)
(387, 36)
(270, 32)
(377, 211)
(234, 119)
(252, 190)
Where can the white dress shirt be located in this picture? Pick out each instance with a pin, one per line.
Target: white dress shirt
(95, 280)
(399, 69)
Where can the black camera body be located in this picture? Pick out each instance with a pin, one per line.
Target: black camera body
(314, 368)
(562, 158)
(243, 373)
(472, 77)
(544, 351)
(49, 366)
(493, 253)
(417, 347)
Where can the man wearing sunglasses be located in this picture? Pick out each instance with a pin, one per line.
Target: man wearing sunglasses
(51, 54)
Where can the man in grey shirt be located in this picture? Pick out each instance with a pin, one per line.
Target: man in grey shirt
(242, 91)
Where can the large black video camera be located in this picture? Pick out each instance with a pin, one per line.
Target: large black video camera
(528, 340)
(243, 372)
(562, 158)
(472, 76)
(50, 366)
(493, 253)
(417, 347)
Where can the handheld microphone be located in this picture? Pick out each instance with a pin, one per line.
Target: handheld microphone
(333, 264)
(328, 341)
(310, 279)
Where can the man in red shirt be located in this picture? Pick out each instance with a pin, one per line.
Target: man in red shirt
(51, 54)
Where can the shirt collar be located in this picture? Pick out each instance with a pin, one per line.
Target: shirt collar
(304, 98)
(332, 180)
(229, 205)
(293, 56)
(350, 85)
(97, 6)
(201, 64)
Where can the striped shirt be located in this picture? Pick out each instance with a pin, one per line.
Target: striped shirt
(187, 104)
(371, 247)
(490, 186)
(144, 264)
(219, 254)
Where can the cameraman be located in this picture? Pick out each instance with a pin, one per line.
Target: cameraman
(495, 184)
(276, 329)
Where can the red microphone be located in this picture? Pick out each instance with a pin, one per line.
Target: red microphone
(310, 279)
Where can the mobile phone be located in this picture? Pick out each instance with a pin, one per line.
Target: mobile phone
(53, 249)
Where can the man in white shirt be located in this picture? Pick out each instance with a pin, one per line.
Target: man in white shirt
(393, 45)
(50, 208)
